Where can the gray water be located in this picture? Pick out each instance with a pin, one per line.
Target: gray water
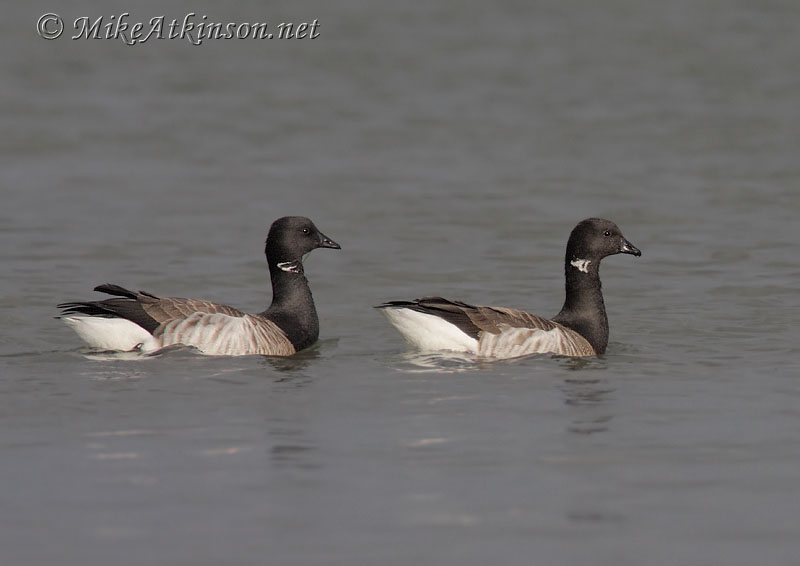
(449, 149)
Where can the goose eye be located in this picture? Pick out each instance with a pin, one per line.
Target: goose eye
(306, 230)
(606, 233)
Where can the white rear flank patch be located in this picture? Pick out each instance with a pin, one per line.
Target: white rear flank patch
(581, 264)
(111, 333)
(429, 332)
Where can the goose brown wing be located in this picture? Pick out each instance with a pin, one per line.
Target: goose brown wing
(168, 308)
(472, 319)
(495, 319)
(145, 309)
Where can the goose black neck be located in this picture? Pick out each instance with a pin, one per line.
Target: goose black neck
(584, 310)
(292, 305)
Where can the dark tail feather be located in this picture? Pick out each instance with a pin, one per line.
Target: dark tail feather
(116, 290)
(395, 304)
(424, 304)
(91, 309)
(125, 304)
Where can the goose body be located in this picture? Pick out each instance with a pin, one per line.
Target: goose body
(145, 322)
(579, 329)
(435, 323)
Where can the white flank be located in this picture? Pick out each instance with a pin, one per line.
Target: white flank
(110, 333)
(429, 332)
(581, 264)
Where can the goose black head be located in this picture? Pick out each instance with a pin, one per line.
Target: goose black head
(595, 238)
(292, 237)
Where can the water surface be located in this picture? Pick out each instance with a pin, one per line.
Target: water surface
(449, 150)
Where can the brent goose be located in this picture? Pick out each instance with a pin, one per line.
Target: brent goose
(580, 329)
(144, 322)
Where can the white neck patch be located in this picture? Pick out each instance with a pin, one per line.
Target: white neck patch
(290, 266)
(581, 264)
